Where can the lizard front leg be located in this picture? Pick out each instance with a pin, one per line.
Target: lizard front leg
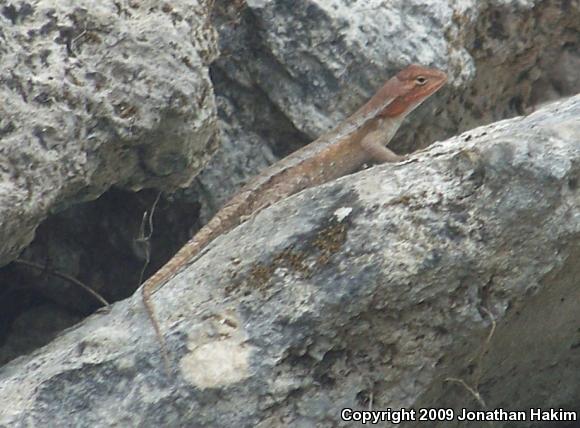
(373, 145)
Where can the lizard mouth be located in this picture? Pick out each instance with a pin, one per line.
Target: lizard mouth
(442, 81)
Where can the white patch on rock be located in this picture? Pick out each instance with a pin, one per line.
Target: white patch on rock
(342, 213)
(216, 364)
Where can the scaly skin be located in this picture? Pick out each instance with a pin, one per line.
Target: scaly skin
(359, 139)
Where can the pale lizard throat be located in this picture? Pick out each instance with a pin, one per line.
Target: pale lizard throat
(360, 138)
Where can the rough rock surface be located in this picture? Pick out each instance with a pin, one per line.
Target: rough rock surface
(377, 288)
(290, 70)
(93, 98)
(98, 94)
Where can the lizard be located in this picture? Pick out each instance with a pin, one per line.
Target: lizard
(359, 139)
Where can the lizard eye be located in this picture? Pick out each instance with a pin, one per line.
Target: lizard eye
(420, 80)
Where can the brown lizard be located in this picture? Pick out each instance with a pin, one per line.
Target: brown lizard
(360, 138)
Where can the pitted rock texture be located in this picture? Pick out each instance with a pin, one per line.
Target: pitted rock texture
(98, 94)
(288, 71)
(428, 284)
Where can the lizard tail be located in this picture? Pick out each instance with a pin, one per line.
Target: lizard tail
(150, 309)
(158, 279)
(223, 221)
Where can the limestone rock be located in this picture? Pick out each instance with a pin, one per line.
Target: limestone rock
(399, 285)
(98, 94)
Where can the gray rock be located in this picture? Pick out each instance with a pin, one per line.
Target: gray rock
(379, 290)
(98, 94)
(437, 283)
(288, 71)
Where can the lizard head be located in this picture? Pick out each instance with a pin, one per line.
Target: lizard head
(410, 87)
(401, 94)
